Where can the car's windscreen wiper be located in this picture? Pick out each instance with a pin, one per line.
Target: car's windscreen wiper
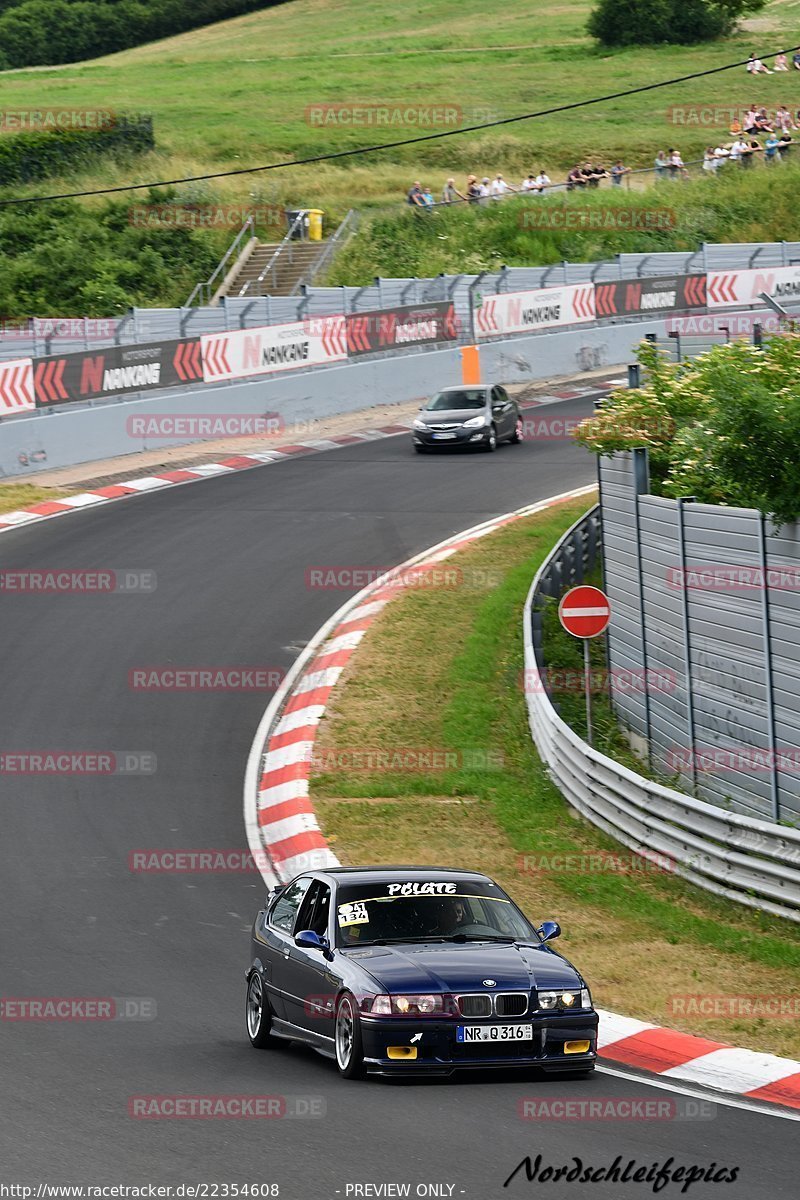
(479, 937)
(434, 937)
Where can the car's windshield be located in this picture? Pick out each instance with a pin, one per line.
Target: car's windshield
(461, 398)
(382, 912)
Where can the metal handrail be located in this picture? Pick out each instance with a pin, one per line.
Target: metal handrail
(206, 285)
(333, 244)
(296, 224)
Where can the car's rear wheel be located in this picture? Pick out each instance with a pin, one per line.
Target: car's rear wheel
(491, 442)
(257, 1014)
(349, 1048)
(518, 434)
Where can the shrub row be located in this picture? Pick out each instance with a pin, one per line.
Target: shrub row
(37, 153)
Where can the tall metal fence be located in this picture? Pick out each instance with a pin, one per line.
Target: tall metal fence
(45, 336)
(706, 608)
(746, 859)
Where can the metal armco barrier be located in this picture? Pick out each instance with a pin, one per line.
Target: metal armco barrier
(328, 325)
(753, 862)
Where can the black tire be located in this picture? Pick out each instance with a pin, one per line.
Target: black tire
(347, 1039)
(518, 435)
(420, 449)
(490, 445)
(258, 1017)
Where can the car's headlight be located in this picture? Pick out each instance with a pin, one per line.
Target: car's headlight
(475, 422)
(565, 1000)
(407, 1006)
(420, 424)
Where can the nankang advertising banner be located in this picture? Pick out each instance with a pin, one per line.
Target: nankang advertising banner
(94, 374)
(652, 294)
(394, 328)
(544, 308)
(727, 288)
(270, 348)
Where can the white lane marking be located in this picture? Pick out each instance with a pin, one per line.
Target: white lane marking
(658, 1081)
(734, 1070)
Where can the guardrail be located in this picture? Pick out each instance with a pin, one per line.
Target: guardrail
(753, 862)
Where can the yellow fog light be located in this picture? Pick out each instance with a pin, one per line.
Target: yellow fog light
(405, 1051)
(576, 1047)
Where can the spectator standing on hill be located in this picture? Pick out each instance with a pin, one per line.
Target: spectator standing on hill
(661, 166)
(738, 149)
(473, 189)
(542, 181)
(710, 161)
(576, 178)
(617, 171)
(529, 183)
(500, 188)
(485, 192)
(677, 167)
(772, 149)
(450, 193)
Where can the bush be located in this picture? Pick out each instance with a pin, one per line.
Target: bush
(35, 154)
(36, 32)
(679, 22)
(724, 428)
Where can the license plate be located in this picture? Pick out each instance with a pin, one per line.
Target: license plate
(494, 1033)
(441, 436)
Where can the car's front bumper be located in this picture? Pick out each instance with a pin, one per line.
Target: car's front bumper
(435, 1049)
(462, 437)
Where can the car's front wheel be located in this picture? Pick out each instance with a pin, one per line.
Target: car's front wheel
(491, 442)
(257, 1014)
(349, 1049)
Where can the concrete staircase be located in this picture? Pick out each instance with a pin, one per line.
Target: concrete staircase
(292, 264)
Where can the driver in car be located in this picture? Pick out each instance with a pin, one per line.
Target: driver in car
(453, 915)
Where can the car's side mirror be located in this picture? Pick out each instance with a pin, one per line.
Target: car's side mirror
(311, 941)
(549, 930)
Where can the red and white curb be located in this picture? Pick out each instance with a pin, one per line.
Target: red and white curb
(285, 837)
(48, 509)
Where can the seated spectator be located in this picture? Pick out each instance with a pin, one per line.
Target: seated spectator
(415, 196)
(763, 122)
(783, 119)
(780, 63)
(450, 193)
(542, 181)
(736, 127)
(500, 188)
(772, 149)
(750, 120)
(617, 171)
(661, 166)
(796, 59)
(756, 67)
(473, 189)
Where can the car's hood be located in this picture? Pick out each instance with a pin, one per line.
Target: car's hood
(434, 967)
(446, 416)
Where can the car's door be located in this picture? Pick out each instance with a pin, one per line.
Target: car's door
(310, 978)
(278, 936)
(502, 412)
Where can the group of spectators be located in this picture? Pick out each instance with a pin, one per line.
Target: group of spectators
(756, 123)
(756, 67)
(485, 190)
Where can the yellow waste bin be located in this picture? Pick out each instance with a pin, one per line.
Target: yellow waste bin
(315, 216)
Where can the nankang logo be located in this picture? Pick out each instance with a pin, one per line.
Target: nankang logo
(490, 983)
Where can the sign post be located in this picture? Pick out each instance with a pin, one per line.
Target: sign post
(585, 612)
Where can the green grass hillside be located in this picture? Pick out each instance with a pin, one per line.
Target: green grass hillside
(238, 92)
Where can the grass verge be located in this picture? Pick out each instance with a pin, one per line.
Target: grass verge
(21, 495)
(647, 941)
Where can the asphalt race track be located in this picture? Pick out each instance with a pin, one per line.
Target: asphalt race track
(230, 555)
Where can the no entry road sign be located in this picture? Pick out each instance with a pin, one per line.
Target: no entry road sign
(585, 612)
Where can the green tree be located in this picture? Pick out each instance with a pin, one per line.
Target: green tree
(681, 22)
